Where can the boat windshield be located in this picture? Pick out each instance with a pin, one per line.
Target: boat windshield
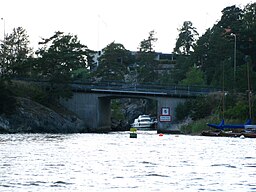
(144, 120)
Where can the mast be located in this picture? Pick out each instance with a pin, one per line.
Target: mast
(223, 92)
(249, 89)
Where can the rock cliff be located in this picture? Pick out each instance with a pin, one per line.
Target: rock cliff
(31, 117)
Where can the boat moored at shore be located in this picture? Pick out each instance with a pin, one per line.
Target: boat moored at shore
(144, 122)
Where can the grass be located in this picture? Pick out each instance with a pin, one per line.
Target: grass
(198, 126)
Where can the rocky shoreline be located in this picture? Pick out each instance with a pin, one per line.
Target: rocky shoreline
(32, 117)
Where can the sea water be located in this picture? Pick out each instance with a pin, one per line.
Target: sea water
(116, 162)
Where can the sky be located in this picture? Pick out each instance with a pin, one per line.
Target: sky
(97, 23)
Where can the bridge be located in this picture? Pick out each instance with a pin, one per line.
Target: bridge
(91, 101)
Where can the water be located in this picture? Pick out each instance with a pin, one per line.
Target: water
(115, 162)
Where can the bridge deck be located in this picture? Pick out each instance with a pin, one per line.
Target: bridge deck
(144, 89)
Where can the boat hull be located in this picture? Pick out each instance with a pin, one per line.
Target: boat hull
(144, 122)
(143, 126)
(229, 134)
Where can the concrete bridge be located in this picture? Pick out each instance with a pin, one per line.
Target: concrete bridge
(91, 102)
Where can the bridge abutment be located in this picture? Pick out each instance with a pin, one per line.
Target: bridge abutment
(166, 114)
(93, 110)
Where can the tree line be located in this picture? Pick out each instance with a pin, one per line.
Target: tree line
(224, 56)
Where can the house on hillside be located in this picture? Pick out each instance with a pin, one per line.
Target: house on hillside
(165, 61)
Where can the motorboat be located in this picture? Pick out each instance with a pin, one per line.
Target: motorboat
(144, 122)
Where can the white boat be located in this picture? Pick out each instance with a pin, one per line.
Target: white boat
(144, 122)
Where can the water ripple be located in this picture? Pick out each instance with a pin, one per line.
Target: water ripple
(157, 175)
(114, 162)
(223, 165)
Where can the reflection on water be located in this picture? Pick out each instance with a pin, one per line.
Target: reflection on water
(115, 162)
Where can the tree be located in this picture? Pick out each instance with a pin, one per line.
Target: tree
(147, 44)
(183, 64)
(57, 59)
(113, 62)
(211, 52)
(194, 77)
(215, 49)
(14, 54)
(249, 37)
(231, 19)
(196, 108)
(145, 59)
(214, 55)
(186, 39)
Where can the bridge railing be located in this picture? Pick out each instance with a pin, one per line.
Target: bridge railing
(145, 87)
(135, 87)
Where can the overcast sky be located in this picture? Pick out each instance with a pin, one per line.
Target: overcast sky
(100, 22)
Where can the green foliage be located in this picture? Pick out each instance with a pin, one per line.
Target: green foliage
(166, 78)
(197, 127)
(57, 59)
(193, 77)
(214, 51)
(61, 55)
(186, 39)
(145, 60)
(212, 54)
(14, 54)
(181, 68)
(232, 17)
(235, 110)
(29, 90)
(249, 35)
(7, 99)
(196, 108)
(182, 111)
(238, 111)
(147, 45)
(81, 74)
(146, 67)
(116, 110)
(113, 62)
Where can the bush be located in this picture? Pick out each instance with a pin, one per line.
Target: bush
(195, 108)
(197, 127)
(116, 110)
(7, 100)
(28, 90)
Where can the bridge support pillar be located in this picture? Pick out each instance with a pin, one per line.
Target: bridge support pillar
(93, 110)
(104, 113)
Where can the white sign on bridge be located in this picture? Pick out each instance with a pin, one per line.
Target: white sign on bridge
(165, 118)
(165, 111)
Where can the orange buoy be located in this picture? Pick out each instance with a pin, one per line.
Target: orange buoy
(161, 134)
